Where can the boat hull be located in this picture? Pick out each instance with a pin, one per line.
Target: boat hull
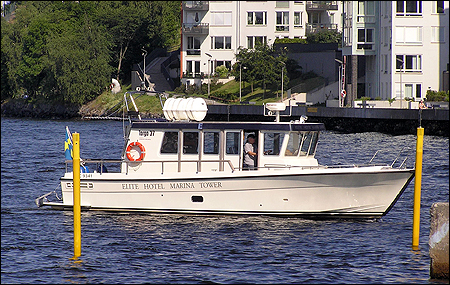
(360, 192)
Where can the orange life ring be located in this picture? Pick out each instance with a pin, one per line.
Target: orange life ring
(141, 147)
(343, 93)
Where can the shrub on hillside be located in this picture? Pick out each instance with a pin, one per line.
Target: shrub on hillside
(433, 95)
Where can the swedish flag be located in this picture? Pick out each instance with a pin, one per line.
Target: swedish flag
(68, 146)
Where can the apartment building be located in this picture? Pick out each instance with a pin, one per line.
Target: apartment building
(395, 49)
(212, 31)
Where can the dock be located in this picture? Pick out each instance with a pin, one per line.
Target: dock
(347, 120)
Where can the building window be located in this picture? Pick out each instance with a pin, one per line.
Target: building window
(193, 46)
(408, 35)
(220, 42)
(366, 12)
(412, 63)
(387, 35)
(438, 34)
(365, 39)
(282, 4)
(438, 7)
(282, 21)
(418, 90)
(221, 18)
(314, 18)
(413, 90)
(297, 19)
(226, 63)
(409, 8)
(256, 18)
(193, 68)
(253, 41)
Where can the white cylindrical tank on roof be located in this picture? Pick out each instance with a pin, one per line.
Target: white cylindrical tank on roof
(198, 109)
(185, 109)
(167, 109)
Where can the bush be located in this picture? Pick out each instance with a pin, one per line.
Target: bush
(290, 41)
(435, 96)
(222, 71)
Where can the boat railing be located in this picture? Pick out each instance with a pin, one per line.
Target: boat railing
(400, 154)
(302, 167)
(101, 163)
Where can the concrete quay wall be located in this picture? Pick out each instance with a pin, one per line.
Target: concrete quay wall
(438, 241)
(347, 120)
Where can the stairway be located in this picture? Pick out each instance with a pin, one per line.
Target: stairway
(155, 77)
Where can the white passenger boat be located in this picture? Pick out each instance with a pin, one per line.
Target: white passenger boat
(186, 165)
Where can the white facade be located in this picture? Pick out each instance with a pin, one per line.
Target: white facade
(219, 28)
(404, 45)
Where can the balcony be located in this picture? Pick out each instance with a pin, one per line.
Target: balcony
(321, 5)
(196, 5)
(314, 28)
(197, 29)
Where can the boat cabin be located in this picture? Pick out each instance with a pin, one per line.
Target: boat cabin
(184, 146)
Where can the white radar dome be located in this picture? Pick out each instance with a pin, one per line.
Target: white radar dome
(276, 106)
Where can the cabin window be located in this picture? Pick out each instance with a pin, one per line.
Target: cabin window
(170, 142)
(312, 149)
(190, 142)
(272, 143)
(232, 142)
(309, 142)
(211, 143)
(293, 144)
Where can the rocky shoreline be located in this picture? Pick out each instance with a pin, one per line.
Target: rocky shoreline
(21, 108)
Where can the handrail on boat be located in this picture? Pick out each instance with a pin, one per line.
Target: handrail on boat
(396, 158)
(198, 162)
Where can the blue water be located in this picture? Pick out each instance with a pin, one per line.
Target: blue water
(37, 243)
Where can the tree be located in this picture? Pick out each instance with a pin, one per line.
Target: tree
(261, 64)
(80, 57)
(66, 50)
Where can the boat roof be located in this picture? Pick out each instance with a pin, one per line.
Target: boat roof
(265, 126)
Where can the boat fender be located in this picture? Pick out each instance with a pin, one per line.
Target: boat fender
(142, 149)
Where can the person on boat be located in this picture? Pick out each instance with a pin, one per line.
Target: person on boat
(250, 153)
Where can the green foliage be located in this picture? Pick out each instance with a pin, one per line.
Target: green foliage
(290, 41)
(434, 96)
(325, 36)
(222, 71)
(260, 64)
(69, 50)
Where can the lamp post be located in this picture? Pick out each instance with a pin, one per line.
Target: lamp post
(144, 54)
(240, 81)
(401, 85)
(282, 78)
(340, 80)
(209, 73)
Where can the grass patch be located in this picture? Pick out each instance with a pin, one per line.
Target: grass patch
(229, 93)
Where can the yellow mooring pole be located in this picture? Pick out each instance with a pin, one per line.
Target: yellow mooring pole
(417, 187)
(76, 196)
